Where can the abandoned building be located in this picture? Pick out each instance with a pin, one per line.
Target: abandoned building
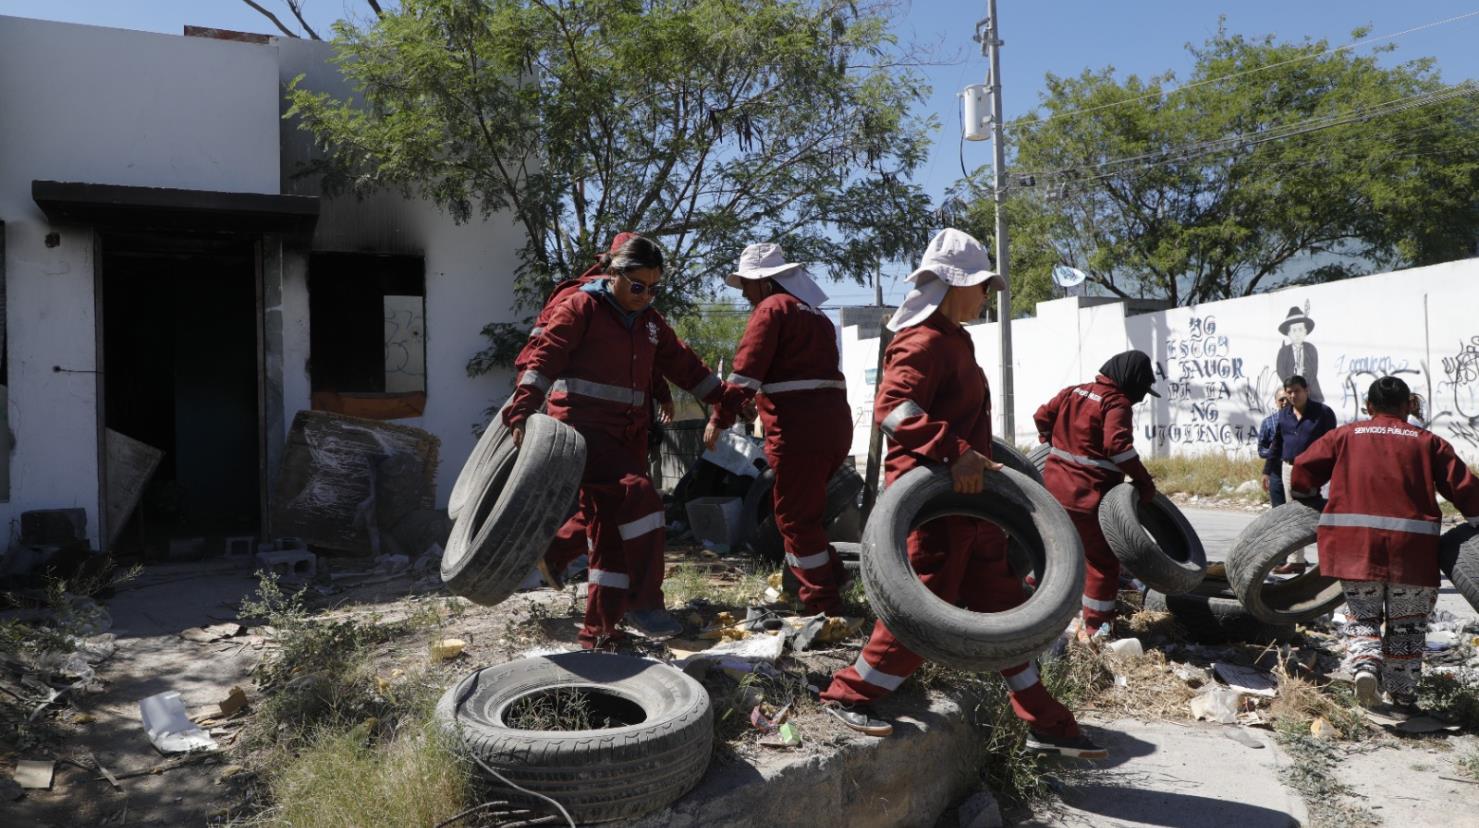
(176, 290)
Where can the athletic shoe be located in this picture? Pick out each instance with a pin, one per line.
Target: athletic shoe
(654, 623)
(857, 719)
(1368, 689)
(1077, 747)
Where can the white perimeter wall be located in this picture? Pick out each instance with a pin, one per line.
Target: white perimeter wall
(108, 106)
(1216, 362)
(469, 279)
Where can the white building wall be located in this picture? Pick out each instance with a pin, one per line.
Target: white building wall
(1217, 361)
(469, 279)
(90, 104)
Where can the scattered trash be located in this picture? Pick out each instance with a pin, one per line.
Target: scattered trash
(1216, 703)
(169, 728)
(1246, 680)
(35, 774)
(766, 719)
(756, 647)
(773, 595)
(234, 701)
(214, 632)
(787, 736)
(1193, 676)
(1440, 640)
(1125, 647)
(447, 648)
(1321, 728)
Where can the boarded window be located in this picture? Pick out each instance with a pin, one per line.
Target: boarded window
(367, 334)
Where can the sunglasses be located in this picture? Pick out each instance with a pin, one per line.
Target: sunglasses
(638, 288)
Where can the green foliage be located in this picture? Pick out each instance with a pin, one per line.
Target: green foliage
(713, 331)
(705, 124)
(1194, 217)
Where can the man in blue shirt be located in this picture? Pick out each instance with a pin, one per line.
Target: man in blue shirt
(1300, 424)
(1274, 485)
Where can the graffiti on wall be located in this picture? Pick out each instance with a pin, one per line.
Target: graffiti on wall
(1208, 388)
(1359, 371)
(1458, 393)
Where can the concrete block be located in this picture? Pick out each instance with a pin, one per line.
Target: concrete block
(289, 564)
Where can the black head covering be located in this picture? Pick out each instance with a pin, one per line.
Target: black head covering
(1131, 372)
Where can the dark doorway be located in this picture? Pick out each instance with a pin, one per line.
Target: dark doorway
(181, 369)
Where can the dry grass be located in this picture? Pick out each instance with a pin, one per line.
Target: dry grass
(1205, 475)
(1300, 702)
(415, 777)
(730, 587)
(1149, 688)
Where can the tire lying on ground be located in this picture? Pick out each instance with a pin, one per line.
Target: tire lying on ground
(1212, 614)
(1007, 454)
(1264, 544)
(1038, 457)
(519, 500)
(482, 454)
(1458, 557)
(950, 635)
(765, 538)
(657, 751)
(1154, 541)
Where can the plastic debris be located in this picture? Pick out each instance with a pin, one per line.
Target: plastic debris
(214, 632)
(766, 719)
(1125, 647)
(1246, 680)
(35, 774)
(1321, 728)
(786, 736)
(1440, 640)
(169, 728)
(1216, 703)
(1193, 676)
(447, 648)
(1242, 737)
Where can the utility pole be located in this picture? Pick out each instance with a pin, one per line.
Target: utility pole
(988, 35)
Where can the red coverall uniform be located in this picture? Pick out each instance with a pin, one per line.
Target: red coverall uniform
(1093, 449)
(595, 362)
(572, 541)
(1382, 524)
(933, 404)
(788, 356)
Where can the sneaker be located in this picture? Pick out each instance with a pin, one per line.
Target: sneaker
(654, 623)
(1368, 689)
(551, 580)
(857, 719)
(1291, 568)
(1077, 747)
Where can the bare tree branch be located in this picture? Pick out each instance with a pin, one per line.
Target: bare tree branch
(296, 6)
(270, 16)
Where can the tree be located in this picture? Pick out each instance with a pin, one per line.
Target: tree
(1274, 163)
(705, 124)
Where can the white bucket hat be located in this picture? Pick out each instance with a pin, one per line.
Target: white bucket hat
(952, 259)
(767, 261)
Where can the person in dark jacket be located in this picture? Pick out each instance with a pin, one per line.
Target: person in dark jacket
(1303, 421)
(934, 406)
(1379, 533)
(595, 360)
(1266, 446)
(1093, 448)
(788, 357)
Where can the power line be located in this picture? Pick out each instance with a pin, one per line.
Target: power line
(1192, 85)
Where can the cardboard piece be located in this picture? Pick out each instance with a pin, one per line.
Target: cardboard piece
(130, 465)
(35, 774)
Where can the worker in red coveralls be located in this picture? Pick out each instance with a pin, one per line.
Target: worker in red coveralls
(1093, 448)
(788, 356)
(571, 540)
(934, 405)
(1379, 534)
(594, 359)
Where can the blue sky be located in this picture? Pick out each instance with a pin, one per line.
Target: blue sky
(1060, 36)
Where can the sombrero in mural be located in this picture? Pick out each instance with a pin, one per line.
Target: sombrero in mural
(1296, 315)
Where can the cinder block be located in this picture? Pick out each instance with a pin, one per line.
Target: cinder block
(289, 564)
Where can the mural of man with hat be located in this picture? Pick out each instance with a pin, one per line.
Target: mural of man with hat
(1298, 357)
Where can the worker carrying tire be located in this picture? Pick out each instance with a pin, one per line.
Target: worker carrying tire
(594, 360)
(1093, 448)
(788, 357)
(934, 406)
(572, 540)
